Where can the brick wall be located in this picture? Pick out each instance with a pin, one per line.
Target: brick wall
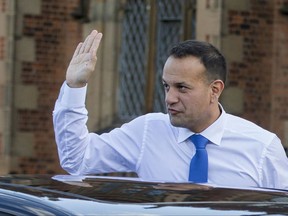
(46, 37)
(2, 75)
(261, 72)
(4, 109)
(253, 72)
(279, 99)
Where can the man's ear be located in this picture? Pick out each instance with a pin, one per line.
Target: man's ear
(217, 87)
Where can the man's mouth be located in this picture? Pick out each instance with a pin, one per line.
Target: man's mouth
(173, 111)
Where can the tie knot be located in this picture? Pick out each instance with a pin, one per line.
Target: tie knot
(199, 141)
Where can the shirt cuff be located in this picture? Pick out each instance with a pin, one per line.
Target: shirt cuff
(73, 97)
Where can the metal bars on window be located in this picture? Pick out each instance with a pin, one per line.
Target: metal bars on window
(169, 26)
(137, 68)
(133, 59)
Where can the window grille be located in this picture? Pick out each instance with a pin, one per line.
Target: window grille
(135, 46)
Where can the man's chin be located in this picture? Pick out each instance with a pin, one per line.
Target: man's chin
(175, 121)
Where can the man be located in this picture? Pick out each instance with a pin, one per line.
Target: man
(162, 147)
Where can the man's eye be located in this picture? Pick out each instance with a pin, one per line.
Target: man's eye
(165, 85)
(182, 87)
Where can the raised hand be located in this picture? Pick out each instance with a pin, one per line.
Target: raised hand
(83, 61)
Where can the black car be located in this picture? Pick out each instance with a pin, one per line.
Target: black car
(96, 195)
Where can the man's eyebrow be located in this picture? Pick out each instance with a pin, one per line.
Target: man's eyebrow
(176, 83)
(181, 83)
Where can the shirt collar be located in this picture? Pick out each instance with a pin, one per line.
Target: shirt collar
(214, 132)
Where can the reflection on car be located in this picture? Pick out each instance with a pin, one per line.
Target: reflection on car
(104, 195)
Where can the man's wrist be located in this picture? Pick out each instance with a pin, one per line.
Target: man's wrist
(76, 85)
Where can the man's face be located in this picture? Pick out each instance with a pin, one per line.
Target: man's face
(188, 93)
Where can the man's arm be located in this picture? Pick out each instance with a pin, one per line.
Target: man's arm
(81, 152)
(275, 166)
(71, 133)
(70, 114)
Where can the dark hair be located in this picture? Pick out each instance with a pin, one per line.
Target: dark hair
(209, 56)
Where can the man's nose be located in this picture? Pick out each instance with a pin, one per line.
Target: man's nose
(171, 96)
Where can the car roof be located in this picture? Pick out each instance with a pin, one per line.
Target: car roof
(133, 194)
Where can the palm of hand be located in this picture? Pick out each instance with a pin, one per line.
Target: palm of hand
(80, 69)
(83, 61)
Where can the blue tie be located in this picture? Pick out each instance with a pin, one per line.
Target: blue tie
(199, 163)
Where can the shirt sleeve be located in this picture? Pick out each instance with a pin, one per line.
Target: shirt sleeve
(81, 152)
(275, 166)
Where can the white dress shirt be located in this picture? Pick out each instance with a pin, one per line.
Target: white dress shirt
(240, 153)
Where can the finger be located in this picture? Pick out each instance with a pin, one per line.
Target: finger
(90, 40)
(84, 44)
(87, 43)
(96, 43)
(76, 52)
